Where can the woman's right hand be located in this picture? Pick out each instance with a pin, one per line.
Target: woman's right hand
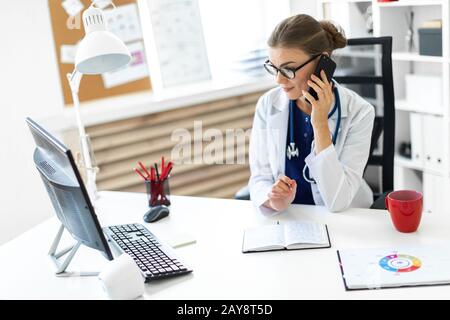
(282, 193)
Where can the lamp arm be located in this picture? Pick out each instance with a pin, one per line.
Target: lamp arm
(74, 79)
(74, 82)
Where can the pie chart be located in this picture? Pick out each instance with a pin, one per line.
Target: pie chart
(400, 263)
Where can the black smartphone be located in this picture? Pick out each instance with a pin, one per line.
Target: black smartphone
(326, 64)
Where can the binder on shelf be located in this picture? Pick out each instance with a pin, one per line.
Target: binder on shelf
(432, 127)
(416, 130)
(438, 148)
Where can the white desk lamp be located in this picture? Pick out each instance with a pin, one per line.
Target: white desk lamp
(98, 52)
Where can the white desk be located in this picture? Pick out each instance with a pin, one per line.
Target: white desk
(221, 271)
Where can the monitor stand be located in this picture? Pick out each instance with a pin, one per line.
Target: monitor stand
(61, 267)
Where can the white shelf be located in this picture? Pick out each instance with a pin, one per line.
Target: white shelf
(353, 1)
(411, 56)
(408, 163)
(403, 105)
(409, 3)
(389, 19)
(356, 54)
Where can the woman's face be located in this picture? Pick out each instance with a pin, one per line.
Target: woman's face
(292, 58)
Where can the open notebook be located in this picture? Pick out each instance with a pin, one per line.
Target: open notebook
(286, 236)
(376, 268)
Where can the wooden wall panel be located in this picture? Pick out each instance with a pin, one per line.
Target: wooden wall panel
(118, 146)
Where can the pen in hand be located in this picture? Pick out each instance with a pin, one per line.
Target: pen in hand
(287, 183)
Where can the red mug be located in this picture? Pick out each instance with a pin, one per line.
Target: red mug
(405, 207)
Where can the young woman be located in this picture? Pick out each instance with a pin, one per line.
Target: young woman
(305, 150)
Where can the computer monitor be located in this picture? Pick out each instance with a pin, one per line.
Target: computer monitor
(66, 190)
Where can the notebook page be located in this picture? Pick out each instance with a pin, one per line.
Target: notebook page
(263, 238)
(305, 232)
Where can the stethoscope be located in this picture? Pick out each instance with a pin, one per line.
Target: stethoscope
(292, 150)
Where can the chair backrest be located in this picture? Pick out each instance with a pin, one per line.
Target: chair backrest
(384, 124)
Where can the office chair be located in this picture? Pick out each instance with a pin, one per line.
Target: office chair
(383, 124)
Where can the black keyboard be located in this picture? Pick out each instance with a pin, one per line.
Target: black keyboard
(155, 259)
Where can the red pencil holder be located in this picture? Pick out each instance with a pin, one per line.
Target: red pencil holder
(158, 192)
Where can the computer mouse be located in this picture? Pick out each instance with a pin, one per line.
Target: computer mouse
(156, 213)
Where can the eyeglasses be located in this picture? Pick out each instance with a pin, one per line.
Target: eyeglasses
(286, 72)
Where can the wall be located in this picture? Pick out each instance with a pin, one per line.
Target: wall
(303, 6)
(29, 86)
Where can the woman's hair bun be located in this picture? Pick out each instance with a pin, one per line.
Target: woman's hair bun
(335, 34)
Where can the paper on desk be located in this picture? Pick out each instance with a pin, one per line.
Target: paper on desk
(180, 239)
(370, 268)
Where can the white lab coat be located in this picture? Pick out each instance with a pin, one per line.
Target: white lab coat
(337, 170)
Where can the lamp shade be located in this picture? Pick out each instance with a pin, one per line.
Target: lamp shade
(100, 51)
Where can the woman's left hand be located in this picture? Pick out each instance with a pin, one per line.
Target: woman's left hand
(320, 107)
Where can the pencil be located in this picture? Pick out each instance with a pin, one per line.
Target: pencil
(157, 173)
(168, 172)
(143, 168)
(152, 174)
(167, 168)
(139, 173)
